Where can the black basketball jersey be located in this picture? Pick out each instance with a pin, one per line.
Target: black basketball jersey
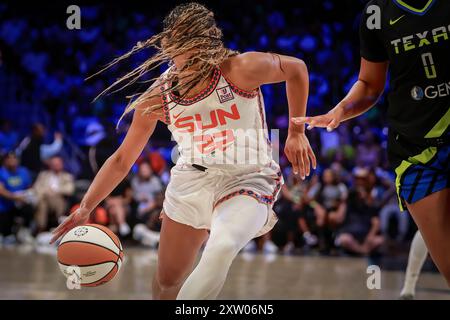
(416, 43)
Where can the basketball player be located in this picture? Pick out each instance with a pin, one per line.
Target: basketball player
(413, 41)
(210, 100)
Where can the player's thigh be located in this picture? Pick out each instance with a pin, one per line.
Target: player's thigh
(178, 248)
(432, 216)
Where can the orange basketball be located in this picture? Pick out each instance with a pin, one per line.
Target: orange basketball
(92, 252)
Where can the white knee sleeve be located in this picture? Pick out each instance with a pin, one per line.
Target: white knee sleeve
(235, 223)
(417, 255)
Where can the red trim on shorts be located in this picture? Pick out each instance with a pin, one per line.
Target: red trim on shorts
(264, 199)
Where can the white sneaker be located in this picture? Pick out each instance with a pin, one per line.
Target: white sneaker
(124, 229)
(145, 236)
(24, 236)
(288, 248)
(270, 247)
(310, 239)
(406, 296)
(43, 239)
(151, 239)
(9, 240)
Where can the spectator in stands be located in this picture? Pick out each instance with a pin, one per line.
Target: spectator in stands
(15, 200)
(291, 212)
(360, 233)
(147, 231)
(8, 137)
(384, 198)
(103, 141)
(34, 152)
(368, 152)
(328, 199)
(145, 186)
(52, 187)
(118, 205)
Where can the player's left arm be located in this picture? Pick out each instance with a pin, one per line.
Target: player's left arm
(253, 69)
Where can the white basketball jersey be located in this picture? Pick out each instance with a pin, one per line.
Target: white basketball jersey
(222, 126)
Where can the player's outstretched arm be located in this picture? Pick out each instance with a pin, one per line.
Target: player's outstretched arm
(113, 171)
(253, 69)
(361, 97)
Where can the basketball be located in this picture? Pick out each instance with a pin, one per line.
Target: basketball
(92, 252)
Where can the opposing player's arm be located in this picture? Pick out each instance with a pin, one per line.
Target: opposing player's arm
(115, 169)
(253, 69)
(369, 86)
(363, 95)
(366, 91)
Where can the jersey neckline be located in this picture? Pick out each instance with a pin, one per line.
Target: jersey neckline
(404, 6)
(202, 94)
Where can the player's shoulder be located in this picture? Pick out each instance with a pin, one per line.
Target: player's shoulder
(247, 62)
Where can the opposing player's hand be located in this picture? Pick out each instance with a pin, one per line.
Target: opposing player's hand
(330, 120)
(299, 153)
(79, 217)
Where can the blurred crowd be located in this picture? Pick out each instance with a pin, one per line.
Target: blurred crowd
(53, 138)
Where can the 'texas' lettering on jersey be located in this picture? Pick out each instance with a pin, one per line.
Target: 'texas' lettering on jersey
(421, 39)
(216, 117)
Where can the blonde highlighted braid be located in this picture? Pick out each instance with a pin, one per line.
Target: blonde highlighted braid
(189, 27)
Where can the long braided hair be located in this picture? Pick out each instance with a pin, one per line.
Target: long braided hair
(189, 27)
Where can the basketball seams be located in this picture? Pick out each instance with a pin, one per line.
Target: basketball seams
(108, 272)
(107, 267)
(103, 241)
(93, 243)
(87, 265)
(99, 280)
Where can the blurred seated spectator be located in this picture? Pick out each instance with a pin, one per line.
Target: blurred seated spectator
(118, 206)
(145, 186)
(52, 188)
(102, 144)
(33, 151)
(360, 233)
(157, 163)
(328, 199)
(15, 200)
(147, 231)
(384, 196)
(8, 137)
(291, 213)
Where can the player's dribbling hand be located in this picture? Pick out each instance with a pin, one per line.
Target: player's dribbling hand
(299, 153)
(330, 120)
(79, 217)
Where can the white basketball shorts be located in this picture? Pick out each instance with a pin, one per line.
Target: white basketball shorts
(192, 194)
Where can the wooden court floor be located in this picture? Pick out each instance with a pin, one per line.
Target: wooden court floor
(30, 273)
